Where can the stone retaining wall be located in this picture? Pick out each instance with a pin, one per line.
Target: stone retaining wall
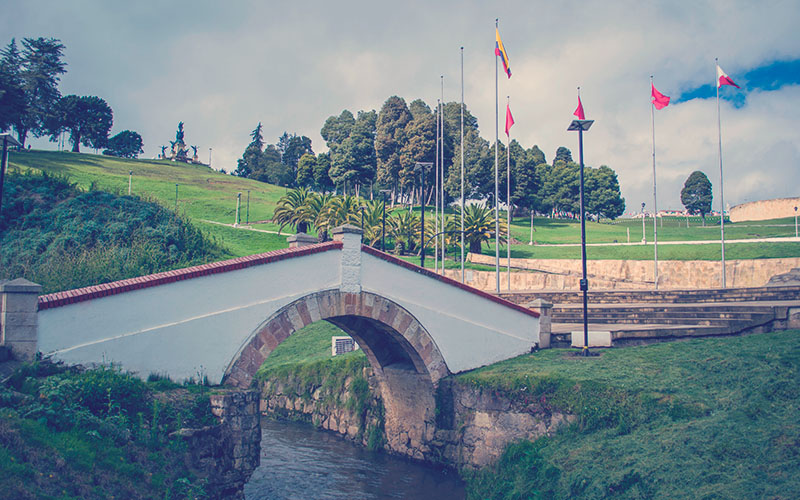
(565, 274)
(472, 427)
(226, 454)
(764, 209)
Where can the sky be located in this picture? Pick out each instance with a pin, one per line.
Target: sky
(223, 67)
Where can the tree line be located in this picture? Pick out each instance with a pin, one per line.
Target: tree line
(372, 151)
(31, 102)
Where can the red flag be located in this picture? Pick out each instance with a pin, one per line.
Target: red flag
(659, 100)
(509, 119)
(723, 79)
(579, 110)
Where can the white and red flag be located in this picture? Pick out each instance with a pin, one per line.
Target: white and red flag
(724, 79)
(660, 100)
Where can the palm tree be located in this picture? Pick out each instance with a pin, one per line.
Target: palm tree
(315, 212)
(292, 210)
(405, 231)
(479, 226)
(338, 211)
(373, 222)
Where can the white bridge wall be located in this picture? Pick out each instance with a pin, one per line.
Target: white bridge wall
(184, 329)
(469, 330)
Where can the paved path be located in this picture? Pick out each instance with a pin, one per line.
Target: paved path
(240, 226)
(790, 239)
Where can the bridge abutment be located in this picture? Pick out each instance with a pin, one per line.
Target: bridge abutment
(19, 317)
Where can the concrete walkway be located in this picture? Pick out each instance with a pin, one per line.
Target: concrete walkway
(789, 239)
(241, 226)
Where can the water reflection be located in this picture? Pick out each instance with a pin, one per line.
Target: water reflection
(299, 462)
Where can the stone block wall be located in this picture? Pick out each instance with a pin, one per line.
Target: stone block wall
(565, 274)
(471, 428)
(764, 209)
(227, 454)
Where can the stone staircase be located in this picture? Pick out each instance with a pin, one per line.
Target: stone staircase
(645, 316)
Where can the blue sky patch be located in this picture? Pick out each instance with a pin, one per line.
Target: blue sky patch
(772, 76)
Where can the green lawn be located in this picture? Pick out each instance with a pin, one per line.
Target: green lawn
(711, 418)
(204, 194)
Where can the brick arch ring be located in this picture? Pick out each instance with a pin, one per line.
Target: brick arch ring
(349, 311)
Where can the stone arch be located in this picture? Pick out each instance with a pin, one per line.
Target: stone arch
(389, 335)
(404, 358)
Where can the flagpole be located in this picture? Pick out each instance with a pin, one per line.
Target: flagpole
(721, 191)
(441, 184)
(655, 203)
(508, 197)
(436, 190)
(462, 164)
(496, 175)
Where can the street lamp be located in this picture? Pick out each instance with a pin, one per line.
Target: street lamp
(422, 166)
(130, 180)
(644, 237)
(247, 221)
(209, 157)
(531, 243)
(384, 192)
(581, 126)
(795, 222)
(7, 141)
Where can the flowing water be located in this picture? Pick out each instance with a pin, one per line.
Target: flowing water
(302, 463)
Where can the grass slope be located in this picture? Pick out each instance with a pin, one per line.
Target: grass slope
(713, 418)
(205, 194)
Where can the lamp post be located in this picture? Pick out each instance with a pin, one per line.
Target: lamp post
(7, 141)
(383, 230)
(422, 166)
(581, 126)
(795, 222)
(247, 221)
(176, 196)
(644, 237)
(209, 157)
(130, 180)
(238, 201)
(531, 242)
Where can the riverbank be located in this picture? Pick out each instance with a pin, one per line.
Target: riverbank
(71, 433)
(710, 417)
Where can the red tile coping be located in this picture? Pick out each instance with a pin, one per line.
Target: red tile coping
(417, 269)
(92, 292)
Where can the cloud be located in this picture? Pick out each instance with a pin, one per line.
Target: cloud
(222, 68)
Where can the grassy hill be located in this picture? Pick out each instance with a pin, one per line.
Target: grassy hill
(207, 195)
(203, 194)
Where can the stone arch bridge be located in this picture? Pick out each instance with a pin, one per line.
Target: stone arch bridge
(222, 320)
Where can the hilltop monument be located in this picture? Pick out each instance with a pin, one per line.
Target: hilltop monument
(178, 150)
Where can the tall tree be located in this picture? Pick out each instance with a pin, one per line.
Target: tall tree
(126, 144)
(12, 95)
(602, 194)
(526, 185)
(322, 179)
(305, 171)
(257, 137)
(40, 73)
(88, 119)
(696, 194)
(353, 160)
(420, 133)
(561, 188)
(391, 139)
(562, 154)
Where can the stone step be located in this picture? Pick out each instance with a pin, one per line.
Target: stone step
(663, 320)
(780, 293)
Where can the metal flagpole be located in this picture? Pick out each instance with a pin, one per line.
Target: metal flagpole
(441, 183)
(436, 189)
(496, 176)
(508, 198)
(721, 191)
(655, 204)
(462, 164)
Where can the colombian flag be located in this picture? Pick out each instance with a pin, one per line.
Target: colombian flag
(499, 50)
